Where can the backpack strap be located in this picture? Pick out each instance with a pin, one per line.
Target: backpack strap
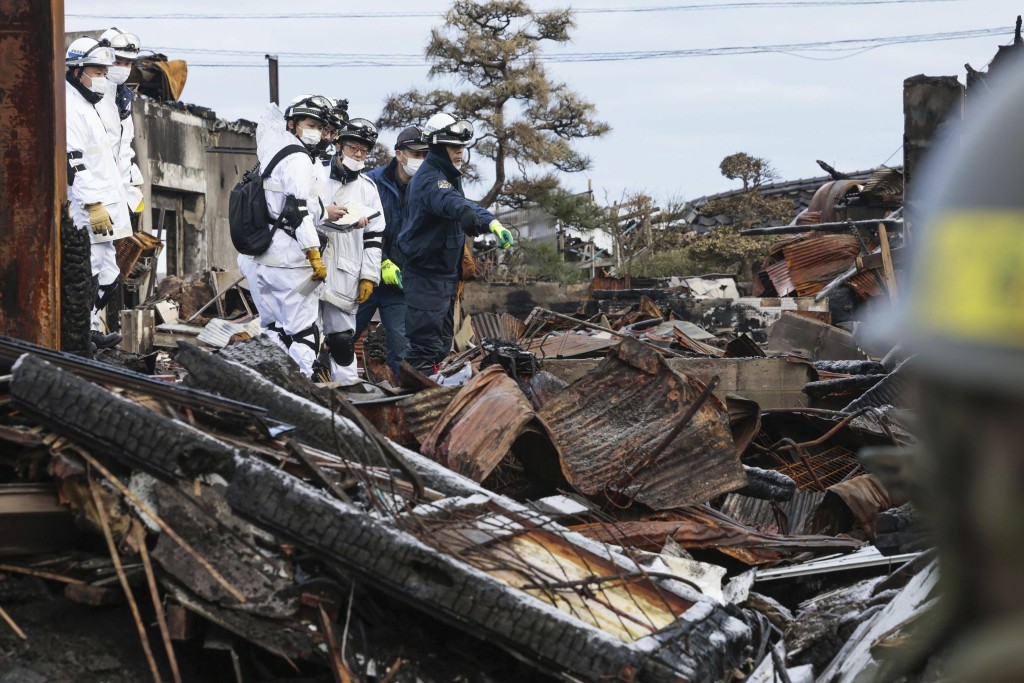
(291, 209)
(285, 151)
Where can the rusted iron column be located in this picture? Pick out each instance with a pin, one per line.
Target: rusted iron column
(33, 168)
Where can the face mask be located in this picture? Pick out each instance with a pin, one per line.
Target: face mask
(99, 85)
(309, 136)
(118, 74)
(352, 164)
(412, 165)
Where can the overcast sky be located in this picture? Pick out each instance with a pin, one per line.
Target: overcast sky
(673, 119)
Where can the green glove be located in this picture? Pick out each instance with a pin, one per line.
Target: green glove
(390, 274)
(502, 233)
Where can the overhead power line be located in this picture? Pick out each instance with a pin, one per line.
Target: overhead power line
(855, 45)
(694, 7)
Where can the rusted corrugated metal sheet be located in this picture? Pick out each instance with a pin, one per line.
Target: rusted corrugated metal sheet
(744, 421)
(389, 419)
(815, 261)
(611, 426)
(34, 166)
(799, 512)
(826, 201)
(703, 527)
(865, 497)
(778, 273)
(423, 409)
(481, 424)
(866, 285)
(494, 326)
(569, 345)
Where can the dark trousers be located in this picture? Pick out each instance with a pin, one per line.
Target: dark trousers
(429, 322)
(390, 300)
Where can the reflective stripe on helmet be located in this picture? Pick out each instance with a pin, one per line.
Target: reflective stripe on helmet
(973, 289)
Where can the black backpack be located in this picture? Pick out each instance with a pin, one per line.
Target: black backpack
(247, 208)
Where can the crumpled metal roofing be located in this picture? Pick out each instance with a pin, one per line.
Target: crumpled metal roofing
(569, 345)
(480, 425)
(865, 497)
(495, 326)
(799, 512)
(610, 426)
(424, 408)
(814, 261)
(699, 526)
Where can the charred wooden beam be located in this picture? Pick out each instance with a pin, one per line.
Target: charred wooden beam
(316, 425)
(96, 371)
(697, 646)
(77, 289)
(111, 425)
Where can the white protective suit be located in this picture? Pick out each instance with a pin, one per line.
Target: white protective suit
(350, 257)
(96, 179)
(121, 133)
(284, 266)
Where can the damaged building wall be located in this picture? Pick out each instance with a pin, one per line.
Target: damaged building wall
(190, 161)
(33, 171)
(932, 105)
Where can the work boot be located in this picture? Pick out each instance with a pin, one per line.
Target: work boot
(105, 341)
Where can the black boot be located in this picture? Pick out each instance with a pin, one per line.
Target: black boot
(105, 341)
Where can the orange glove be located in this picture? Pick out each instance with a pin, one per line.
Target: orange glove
(365, 290)
(319, 269)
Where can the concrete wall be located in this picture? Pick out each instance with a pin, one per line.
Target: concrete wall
(519, 300)
(176, 152)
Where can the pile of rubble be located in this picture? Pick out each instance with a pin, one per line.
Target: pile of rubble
(624, 495)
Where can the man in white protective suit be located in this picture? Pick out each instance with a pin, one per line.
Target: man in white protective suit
(294, 187)
(95, 189)
(116, 110)
(354, 252)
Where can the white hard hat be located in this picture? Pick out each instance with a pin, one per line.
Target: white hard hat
(310, 106)
(126, 45)
(89, 52)
(444, 129)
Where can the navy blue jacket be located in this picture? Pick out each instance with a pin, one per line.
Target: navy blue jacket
(432, 238)
(392, 198)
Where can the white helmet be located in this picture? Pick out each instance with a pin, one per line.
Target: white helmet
(89, 52)
(444, 129)
(310, 106)
(126, 45)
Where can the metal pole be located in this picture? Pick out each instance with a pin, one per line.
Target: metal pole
(272, 64)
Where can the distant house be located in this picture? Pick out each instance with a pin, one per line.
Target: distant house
(801, 192)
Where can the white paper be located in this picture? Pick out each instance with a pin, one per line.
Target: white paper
(354, 211)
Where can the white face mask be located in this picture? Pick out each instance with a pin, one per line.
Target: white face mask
(412, 165)
(118, 74)
(309, 136)
(352, 164)
(99, 85)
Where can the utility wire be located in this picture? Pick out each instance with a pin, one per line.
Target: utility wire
(856, 45)
(696, 7)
